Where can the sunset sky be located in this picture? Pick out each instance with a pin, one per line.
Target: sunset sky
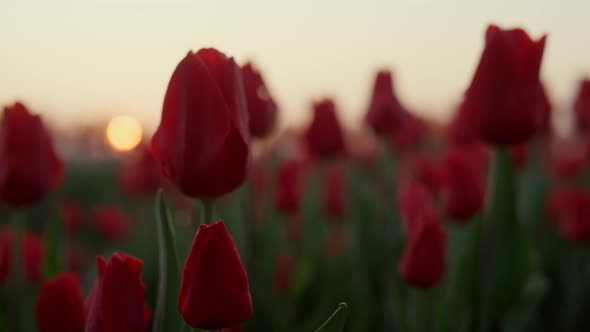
(80, 61)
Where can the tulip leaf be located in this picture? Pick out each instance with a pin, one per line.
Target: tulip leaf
(336, 322)
(166, 316)
(52, 260)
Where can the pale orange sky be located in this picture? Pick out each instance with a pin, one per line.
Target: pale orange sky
(78, 61)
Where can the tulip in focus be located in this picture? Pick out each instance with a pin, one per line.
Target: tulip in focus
(202, 142)
(30, 168)
(117, 301)
(60, 306)
(214, 291)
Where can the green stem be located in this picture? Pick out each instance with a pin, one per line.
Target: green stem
(207, 211)
(427, 299)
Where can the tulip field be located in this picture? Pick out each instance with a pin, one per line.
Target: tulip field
(222, 221)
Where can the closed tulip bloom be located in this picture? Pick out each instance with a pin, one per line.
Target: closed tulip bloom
(385, 111)
(582, 106)
(117, 300)
(60, 306)
(5, 254)
(30, 168)
(324, 136)
(33, 251)
(464, 188)
(111, 223)
(261, 107)
(202, 142)
(214, 291)
(334, 194)
(288, 187)
(504, 92)
(422, 264)
(141, 176)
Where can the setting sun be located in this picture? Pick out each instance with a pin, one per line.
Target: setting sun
(124, 133)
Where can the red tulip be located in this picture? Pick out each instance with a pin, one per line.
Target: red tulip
(30, 169)
(202, 142)
(282, 274)
(582, 106)
(465, 188)
(117, 300)
(214, 290)
(385, 111)
(5, 254)
(334, 194)
(504, 93)
(422, 263)
(60, 306)
(71, 214)
(33, 251)
(112, 223)
(569, 209)
(412, 199)
(289, 186)
(261, 107)
(324, 136)
(142, 175)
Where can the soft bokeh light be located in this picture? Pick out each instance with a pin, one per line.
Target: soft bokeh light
(124, 133)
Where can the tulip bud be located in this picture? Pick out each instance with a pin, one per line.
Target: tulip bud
(504, 93)
(261, 107)
(324, 136)
(385, 111)
(465, 188)
(60, 307)
(422, 263)
(202, 142)
(214, 291)
(117, 302)
(30, 169)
